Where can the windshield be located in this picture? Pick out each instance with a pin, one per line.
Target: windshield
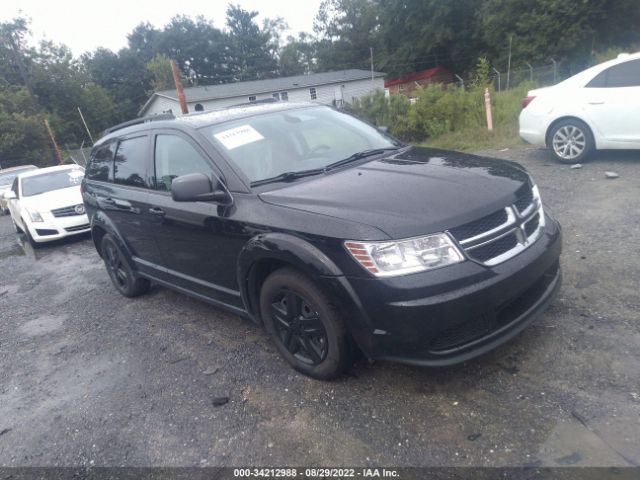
(47, 182)
(265, 146)
(7, 178)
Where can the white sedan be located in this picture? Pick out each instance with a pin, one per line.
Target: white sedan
(596, 109)
(46, 204)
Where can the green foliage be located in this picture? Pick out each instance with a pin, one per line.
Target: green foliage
(439, 110)
(160, 67)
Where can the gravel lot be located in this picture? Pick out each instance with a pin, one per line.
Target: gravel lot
(88, 377)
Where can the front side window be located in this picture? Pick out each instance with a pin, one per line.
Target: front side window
(252, 98)
(264, 146)
(47, 182)
(174, 156)
(101, 163)
(312, 93)
(130, 163)
(625, 74)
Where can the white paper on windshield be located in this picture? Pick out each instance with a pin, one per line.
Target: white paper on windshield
(76, 175)
(238, 136)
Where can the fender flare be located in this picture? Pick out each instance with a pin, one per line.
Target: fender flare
(299, 253)
(103, 222)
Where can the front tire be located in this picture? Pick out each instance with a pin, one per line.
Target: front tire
(121, 273)
(571, 141)
(304, 324)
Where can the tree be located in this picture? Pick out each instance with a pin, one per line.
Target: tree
(250, 53)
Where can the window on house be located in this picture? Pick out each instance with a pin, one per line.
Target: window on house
(252, 98)
(284, 96)
(401, 87)
(312, 92)
(199, 107)
(276, 96)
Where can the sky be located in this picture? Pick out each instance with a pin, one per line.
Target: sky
(84, 25)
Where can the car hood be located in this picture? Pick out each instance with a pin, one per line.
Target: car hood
(47, 201)
(414, 192)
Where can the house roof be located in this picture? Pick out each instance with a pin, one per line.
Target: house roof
(239, 89)
(414, 77)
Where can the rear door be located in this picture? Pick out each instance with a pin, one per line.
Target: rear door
(126, 200)
(612, 103)
(196, 239)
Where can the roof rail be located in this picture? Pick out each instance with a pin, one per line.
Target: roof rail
(138, 121)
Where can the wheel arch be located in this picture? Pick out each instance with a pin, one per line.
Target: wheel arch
(100, 226)
(268, 252)
(552, 125)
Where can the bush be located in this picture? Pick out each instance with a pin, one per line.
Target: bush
(439, 109)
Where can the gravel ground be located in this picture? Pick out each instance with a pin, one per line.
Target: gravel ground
(88, 377)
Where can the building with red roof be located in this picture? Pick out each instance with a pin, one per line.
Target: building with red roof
(406, 84)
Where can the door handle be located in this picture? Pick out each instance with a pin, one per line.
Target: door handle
(157, 211)
(108, 200)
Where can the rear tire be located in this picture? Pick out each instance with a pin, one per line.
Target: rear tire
(122, 275)
(304, 324)
(571, 141)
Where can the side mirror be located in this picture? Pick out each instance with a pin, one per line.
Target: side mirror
(9, 195)
(197, 187)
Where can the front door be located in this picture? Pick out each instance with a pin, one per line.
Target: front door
(196, 240)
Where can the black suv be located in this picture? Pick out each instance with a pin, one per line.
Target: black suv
(332, 234)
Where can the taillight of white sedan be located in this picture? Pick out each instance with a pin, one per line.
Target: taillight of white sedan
(596, 109)
(46, 204)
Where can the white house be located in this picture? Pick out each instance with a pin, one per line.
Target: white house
(330, 88)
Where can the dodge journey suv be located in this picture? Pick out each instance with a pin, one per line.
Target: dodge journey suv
(332, 234)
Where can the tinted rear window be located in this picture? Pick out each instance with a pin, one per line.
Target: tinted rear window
(101, 163)
(625, 74)
(131, 162)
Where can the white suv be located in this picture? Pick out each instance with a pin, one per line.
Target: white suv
(596, 109)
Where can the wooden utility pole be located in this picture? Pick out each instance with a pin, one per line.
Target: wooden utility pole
(56, 149)
(509, 62)
(179, 89)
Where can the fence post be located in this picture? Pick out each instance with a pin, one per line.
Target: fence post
(555, 71)
(487, 107)
(459, 78)
(530, 71)
(499, 89)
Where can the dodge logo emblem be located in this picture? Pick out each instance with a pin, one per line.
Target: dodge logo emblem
(79, 209)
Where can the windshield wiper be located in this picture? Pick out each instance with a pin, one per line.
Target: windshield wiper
(288, 176)
(358, 156)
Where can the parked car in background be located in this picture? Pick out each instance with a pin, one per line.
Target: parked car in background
(596, 109)
(7, 176)
(329, 232)
(46, 204)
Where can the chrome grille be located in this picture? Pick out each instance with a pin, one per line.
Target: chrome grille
(503, 234)
(68, 211)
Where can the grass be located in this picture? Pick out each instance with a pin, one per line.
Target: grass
(479, 138)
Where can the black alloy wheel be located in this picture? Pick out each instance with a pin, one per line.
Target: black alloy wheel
(305, 324)
(121, 273)
(299, 328)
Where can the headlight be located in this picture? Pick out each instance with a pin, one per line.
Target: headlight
(35, 216)
(387, 259)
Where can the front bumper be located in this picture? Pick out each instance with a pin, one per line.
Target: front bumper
(450, 315)
(54, 228)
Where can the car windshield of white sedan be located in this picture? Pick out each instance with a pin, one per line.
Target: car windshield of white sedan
(46, 182)
(293, 141)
